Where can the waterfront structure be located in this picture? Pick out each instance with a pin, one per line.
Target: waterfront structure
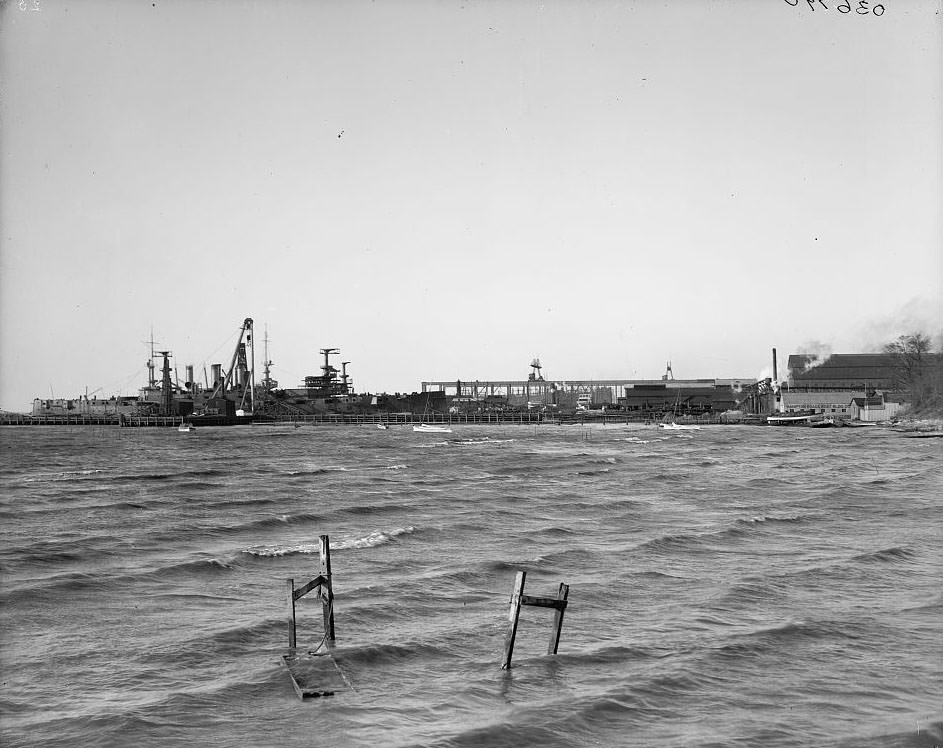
(630, 394)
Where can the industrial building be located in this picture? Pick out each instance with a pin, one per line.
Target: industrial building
(647, 396)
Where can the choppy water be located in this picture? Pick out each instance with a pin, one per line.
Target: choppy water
(734, 586)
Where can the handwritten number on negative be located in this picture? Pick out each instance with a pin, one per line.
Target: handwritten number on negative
(862, 8)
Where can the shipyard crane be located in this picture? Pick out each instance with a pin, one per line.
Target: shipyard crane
(166, 389)
(240, 362)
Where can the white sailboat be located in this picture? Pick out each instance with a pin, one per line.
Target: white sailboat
(673, 426)
(433, 428)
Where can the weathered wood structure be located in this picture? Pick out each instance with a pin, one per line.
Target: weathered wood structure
(315, 673)
(518, 598)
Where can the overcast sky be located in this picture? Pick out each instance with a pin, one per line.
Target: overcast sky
(445, 190)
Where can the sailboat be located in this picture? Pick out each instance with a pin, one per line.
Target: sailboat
(435, 428)
(673, 426)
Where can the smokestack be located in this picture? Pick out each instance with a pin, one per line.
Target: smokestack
(775, 374)
(217, 373)
(190, 383)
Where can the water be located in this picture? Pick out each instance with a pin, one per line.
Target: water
(734, 586)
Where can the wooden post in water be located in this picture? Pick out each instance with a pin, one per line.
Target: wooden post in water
(513, 614)
(518, 598)
(562, 595)
(327, 590)
(291, 612)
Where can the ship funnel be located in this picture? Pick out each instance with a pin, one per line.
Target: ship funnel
(775, 375)
(217, 371)
(190, 383)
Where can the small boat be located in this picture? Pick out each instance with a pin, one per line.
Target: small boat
(432, 428)
(680, 426)
(797, 420)
(186, 428)
(802, 419)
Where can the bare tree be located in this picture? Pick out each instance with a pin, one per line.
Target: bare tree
(909, 352)
(917, 368)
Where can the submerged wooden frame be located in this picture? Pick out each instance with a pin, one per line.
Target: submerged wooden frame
(518, 598)
(325, 591)
(308, 679)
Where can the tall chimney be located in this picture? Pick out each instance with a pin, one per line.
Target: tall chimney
(775, 375)
(217, 372)
(191, 385)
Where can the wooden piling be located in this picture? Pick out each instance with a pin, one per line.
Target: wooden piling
(327, 590)
(562, 595)
(513, 615)
(291, 612)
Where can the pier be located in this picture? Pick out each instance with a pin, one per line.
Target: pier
(354, 419)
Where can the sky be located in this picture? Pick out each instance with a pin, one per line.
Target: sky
(446, 189)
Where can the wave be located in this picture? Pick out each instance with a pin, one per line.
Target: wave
(317, 471)
(371, 540)
(483, 441)
(765, 519)
(691, 541)
(384, 654)
(887, 555)
(790, 634)
(76, 581)
(375, 509)
(65, 475)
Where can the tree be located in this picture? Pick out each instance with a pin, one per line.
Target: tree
(910, 353)
(918, 369)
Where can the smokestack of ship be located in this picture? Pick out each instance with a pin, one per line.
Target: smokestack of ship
(775, 375)
(217, 370)
(190, 384)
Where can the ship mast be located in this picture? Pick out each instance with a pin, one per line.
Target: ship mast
(151, 380)
(267, 382)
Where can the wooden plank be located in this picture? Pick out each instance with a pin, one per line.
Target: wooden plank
(513, 616)
(543, 602)
(316, 582)
(314, 676)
